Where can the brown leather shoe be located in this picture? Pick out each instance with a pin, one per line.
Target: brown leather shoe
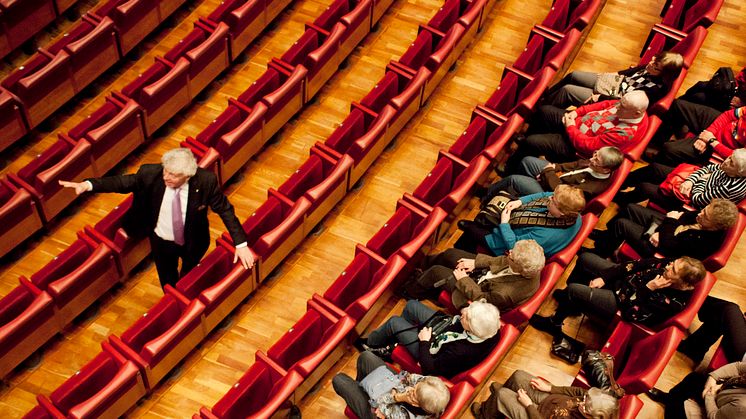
(476, 409)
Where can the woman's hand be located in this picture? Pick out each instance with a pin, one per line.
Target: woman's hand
(509, 207)
(654, 239)
(425, 334)
(465, 264)
(597, 283)
(658, 282)
(674, 214)
(711, 387)
(700, 145)
(523, 398)
(686, 188)
(541, 384)
(459, 273)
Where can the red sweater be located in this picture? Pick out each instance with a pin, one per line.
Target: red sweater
(730, 130)
(598, 126)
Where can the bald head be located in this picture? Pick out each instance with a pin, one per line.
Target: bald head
(632, 105)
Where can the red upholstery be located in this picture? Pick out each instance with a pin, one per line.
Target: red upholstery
(480, 373)
(520, 315)
(639, 357)
(718, 359)
(77, 277)
(518, 93)
(472, 141)
(543, 49)
(13, 124)
(163, 336)
(218, 283)
(439, 181)
(324, 61)
(206, 50)
(93, 48)
(366, 148)
(20, 216)
(683, 319)
(349, 130)
(108, 385)
(565, 256)
(245, 20)
(460, 396)
(26, 322)
(286, 100)
(43, 83)
(686, 15)
(397, 231)
(635, 153)
(389, 86)
(333, 13)
(44, 410)
(662, 39)
(23, 19)
(598, 204)
(448, 15)
(228, 120)
(717, 260)
(262, 390)
(569, 14)
(414, 57)
(133, 19)
(357, 24)
(629, 406)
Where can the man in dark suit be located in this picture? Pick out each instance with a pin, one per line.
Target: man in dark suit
(170, 205)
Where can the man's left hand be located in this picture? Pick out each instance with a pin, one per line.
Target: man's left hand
(244, 254)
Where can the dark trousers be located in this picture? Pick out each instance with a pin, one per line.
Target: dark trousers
(690, 387)
(403, 329)
(580, 298)
(685, 117)
(630, 225)
(472, 238)
(440, 268)
(166, 255)
(719, 318)
(503, 399)
(546, 136)
(350, 389)
(646, 182)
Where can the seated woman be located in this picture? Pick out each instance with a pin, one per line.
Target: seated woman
(726, 180)
(379, 391)
(524, 396)
(725, 132)
(592, 176)
(649, 232)
(550, 218)
(719, 318)
(719, 394)
(504, 281)
(647, 291)
(655, 79)
(463, 343)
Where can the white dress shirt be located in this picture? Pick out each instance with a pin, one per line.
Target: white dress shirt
(164, 228)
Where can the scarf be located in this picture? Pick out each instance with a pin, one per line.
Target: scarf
(447, 337)
(536, 214)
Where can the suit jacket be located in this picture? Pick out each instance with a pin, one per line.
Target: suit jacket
(504, 292)
(148, 188)
(591, 186)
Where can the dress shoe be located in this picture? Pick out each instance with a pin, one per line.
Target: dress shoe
(560, 294)
(476, 409)
(545, 324)
(657, 395)
(462, 224)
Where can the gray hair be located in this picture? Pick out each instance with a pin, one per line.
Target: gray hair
(611, 157)
(637, 100)
(528, 256)
(432, 395)
(739, 160)
(601, 405)
(180, 161)
(484, 319)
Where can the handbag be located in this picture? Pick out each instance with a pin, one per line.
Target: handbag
(673, 181)
(379, 382)
(567, 349)
(489, 216)
(599, 369)
(607, 84)
(439, 322)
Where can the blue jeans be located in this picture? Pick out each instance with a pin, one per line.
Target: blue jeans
(522, 183)
(404, 328)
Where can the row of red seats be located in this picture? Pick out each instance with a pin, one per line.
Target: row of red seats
(55, 74)
(389, 256)
(32, 197)
(20, 20)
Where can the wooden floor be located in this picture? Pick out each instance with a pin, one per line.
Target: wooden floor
(613, 43)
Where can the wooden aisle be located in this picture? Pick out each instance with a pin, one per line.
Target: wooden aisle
(223, 357)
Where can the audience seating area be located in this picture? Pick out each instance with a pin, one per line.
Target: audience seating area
(132, 364)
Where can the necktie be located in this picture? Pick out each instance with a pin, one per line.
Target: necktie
(178, 221)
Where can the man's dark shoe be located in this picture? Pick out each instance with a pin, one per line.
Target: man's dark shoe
(476, 409)
(690, 352)
(560, 294)
(383, 352)
(360, 344)
(462, 224)
(657, 395)
(545, 324)
(597, 234)
(480, 191)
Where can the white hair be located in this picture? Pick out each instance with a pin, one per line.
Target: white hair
(637, 100)
(601, 405)
(484, 319)
(611, 157)
(432, 395)
(528, 256)
(739, 160)
(180, 161)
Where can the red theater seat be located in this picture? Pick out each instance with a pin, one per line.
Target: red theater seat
(263, 390)
(206, 50)
(717, 260)
(13, 123)
(518, 93)
(245, 20)
(662, 39)
(133, 19)
(324, 61)
(166, 7)
(20, 216)
(565, 256)
(686, 15)
(366, 148)
(63, 160)
(20, 20)
(219, 284)
(107, 386)
(520, 315)
(77, 277)
(93, 48)
(357, 24)
(283, 102)
(162, 91)
(163, 336)
(26, 323)
(639, 358)
(718, 359)
(397, 231)
(545, 50)
(600, 202)
(570, 14)
(629, 406)
(114, 131)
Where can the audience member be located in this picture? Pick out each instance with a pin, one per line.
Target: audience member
(719, 318)
(462, 342)
(647, 291)
(524, 396)
(720, 394)
(504, 281)
(649, 232)
(717, 92)
(592, 176)
(654, 79)
(550, 218)
(379, 391)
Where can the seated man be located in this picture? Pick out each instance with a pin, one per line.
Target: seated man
(504, 281)
(526, 396)
(726, 180)
(561, 136)
(461, 342)
(654, 79)
(379, 391)
(649, 232)
(551, 218)
(592, 176)
(647, 291)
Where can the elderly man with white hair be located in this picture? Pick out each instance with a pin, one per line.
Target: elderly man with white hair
(504, 281)
(170, 206)
(562, 136)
